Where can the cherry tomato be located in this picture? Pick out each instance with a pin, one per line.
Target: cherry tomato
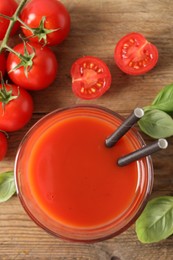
(135, 55)
(7, 7)
(91, 77)
(56, 16)
(16, 112)
(3, 145)
(39, 72)
(2, 63)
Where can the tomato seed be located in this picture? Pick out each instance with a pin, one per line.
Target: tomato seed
(126, 45)
(93, 90)
(136, 67)
(82, 90)
(132, 41)
(99, 70)
(151, 56)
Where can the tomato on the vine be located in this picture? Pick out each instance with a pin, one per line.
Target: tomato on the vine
(3, 145)
(16, 107)
(49, 20)
(35, 69)
(134, 55)
(2, 63)
(91, 77)
(8, 8)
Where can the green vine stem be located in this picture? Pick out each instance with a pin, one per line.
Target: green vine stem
(13, 19)
(20, 56)
(24, 24)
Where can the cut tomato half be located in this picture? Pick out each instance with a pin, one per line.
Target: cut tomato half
(91, 77)
(134, 55)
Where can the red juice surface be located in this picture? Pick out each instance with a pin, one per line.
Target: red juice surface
(74, 178)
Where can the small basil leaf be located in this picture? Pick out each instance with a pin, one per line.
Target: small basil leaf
(7, 186)
(164, 99)
(156, 221)
(156, 124)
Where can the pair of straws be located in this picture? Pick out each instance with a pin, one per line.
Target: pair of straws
(138, 154)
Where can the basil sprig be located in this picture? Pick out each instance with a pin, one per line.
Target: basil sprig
(7, 186)
(157, 121)
(156, 221)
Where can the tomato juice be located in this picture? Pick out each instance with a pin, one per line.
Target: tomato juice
(68, 180)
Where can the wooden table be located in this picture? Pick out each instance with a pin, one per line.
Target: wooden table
(96, 26)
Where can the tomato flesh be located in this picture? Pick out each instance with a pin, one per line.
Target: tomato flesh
(91, 77)
(135, 55)
(3, 145)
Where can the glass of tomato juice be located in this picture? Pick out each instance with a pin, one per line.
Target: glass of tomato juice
(69, 182)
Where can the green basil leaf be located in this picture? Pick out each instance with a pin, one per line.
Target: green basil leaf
(7, 186)
(156, 221)
(164, 99)
(156, 124)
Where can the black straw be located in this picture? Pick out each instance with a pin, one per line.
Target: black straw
(124, 127)
(145, 151)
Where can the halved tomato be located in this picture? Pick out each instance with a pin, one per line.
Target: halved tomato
(91, 77)
(134, 55)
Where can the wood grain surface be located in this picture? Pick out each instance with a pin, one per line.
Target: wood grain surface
(96, 26)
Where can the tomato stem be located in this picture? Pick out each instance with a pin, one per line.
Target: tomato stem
(5, 95)
(40, 31)
(6, 17)
(24, 24)
(13, 19)
(13, 51)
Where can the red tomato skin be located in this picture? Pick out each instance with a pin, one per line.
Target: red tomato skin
(43, 71)
(7, 7)
(75, 72)
(3, 145)
(57, 17)
(118, 59)
(17, 112)
(2, 63)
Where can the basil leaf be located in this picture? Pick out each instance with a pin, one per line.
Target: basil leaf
(156, 124)
(156, 221)
(164, 99)
(7, 186)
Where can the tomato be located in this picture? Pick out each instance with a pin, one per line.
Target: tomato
(91, 77)
(7, 7)
(56, 16)
(38, 72)
(135, 55)
(3, 145)
(2, 63)
(17, 111)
